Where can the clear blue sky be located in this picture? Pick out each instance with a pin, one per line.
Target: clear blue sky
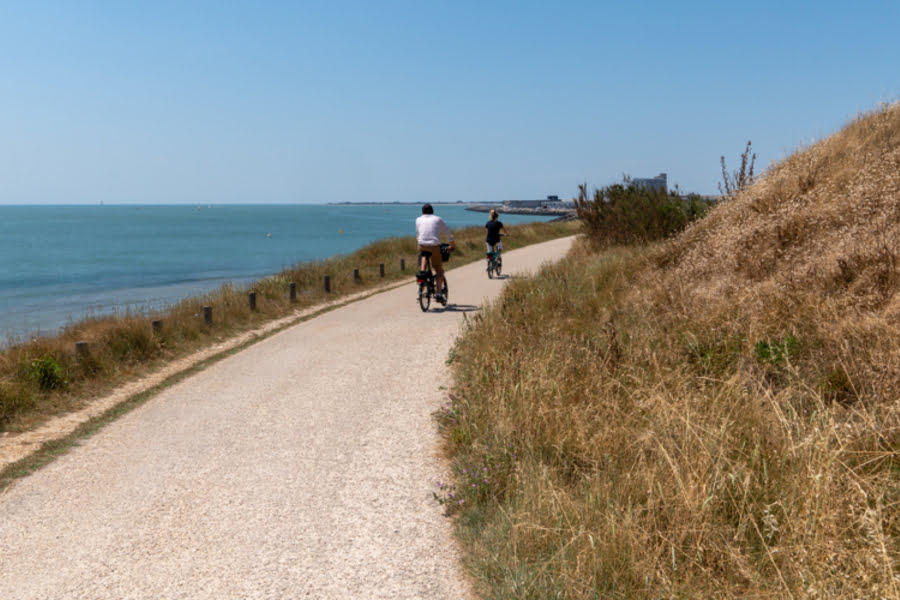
(262, 102)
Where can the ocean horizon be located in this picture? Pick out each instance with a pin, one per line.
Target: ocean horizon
(62, 263)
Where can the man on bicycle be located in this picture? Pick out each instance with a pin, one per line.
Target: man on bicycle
(429, 228)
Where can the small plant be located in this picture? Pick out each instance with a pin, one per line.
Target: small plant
(740, 179)
(448, 415)
(776, 352)
(478, 480)
(47, 373)
(448, 497)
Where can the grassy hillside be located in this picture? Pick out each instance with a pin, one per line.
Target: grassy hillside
(712, 416)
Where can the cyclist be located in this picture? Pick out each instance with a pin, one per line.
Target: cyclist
(429, 228)
(495, 229)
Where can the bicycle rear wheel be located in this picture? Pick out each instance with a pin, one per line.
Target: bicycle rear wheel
(498, 264)
(490, 268)
(445, 292)
(424, 297)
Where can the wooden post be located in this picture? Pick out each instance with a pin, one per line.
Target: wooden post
(293, 294)
(381, 269)
(327, 283)
(156, 326)
(356, 275)
(81, 349)
(251, 298)
(207, 315)
(402, 264)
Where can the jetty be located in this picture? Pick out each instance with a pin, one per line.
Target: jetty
(550, 206)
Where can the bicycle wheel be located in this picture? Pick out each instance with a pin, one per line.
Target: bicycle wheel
(498, 264)
(445, 292)
(490, 268)
(424, 297)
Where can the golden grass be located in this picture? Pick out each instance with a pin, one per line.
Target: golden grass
(124, 347)
(714, 416)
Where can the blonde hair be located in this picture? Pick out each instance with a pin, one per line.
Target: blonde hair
(493, 215)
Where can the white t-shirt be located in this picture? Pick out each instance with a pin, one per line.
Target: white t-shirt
(429, 228)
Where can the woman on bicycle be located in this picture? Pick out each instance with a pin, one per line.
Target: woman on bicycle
(495, 229)
(429, 228)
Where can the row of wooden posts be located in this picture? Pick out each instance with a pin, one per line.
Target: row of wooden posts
(81, 348)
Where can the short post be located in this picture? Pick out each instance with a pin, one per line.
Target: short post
(402, 264)
(327, 283)
(81, 349)
(156, 325)
(356, 275)
(251, 299)
(207, 315)
(381, 269)
(293, 293)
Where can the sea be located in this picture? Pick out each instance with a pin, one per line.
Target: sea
(61, 264)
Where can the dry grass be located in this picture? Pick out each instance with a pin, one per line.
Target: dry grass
(716, 416)
(45, 377)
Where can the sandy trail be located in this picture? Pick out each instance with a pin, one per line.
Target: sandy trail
(301, 467)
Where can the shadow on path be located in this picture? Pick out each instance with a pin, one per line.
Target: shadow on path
(457, 308)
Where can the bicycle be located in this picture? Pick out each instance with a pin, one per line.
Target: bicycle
(494, 263)
(427, 280)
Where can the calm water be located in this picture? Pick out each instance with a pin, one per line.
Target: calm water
(61, 263)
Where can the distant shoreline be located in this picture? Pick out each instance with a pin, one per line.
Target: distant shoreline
(348, 203)
(561, 214)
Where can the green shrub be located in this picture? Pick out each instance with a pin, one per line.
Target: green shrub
(47, 373)
(628, 213)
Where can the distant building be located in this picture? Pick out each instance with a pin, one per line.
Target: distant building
(656, 183)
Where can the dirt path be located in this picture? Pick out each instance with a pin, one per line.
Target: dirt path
(301, 467)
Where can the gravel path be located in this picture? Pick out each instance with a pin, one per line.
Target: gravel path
(301, 467)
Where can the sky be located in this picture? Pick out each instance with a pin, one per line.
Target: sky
(307, 102)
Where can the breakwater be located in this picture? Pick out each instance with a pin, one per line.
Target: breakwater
(563, 214)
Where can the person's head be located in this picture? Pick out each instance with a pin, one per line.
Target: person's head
(493, 215)
(427, 210)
